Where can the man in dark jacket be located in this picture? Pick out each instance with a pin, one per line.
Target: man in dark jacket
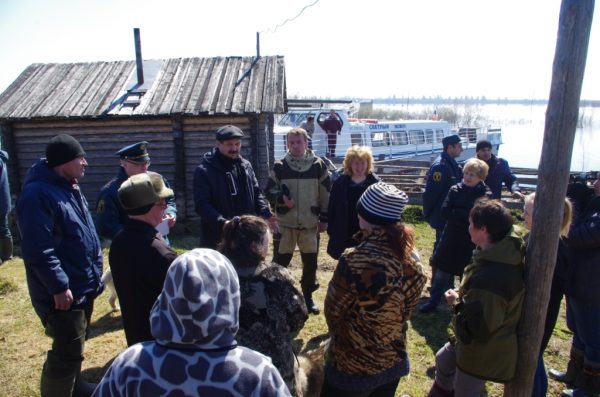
(499, 172)
(6, 241)
(583, 301)
(444, 173)
(63, 260)
(139, 257)
(333, 127)
(225, 186)
(110, 215)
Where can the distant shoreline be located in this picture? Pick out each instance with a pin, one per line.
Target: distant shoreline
(473, 101)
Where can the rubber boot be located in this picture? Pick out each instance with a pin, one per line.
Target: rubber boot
(310, 303)
(6, 248)
(574, 368)
(58, 377)
(437, 391)
(586, 385)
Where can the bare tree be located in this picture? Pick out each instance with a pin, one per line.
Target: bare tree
(561, 120)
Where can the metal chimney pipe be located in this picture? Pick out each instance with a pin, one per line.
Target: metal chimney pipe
(138, 56)
(257, 44)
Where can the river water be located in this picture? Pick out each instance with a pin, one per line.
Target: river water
(523, 133)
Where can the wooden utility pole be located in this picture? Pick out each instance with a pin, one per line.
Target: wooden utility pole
(561, 119)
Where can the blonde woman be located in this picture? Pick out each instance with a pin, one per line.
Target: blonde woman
(357, 176)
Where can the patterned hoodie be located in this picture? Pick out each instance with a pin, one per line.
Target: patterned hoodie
(194, 322)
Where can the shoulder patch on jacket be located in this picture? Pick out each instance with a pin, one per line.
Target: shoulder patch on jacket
(100, 207)
(437, 176)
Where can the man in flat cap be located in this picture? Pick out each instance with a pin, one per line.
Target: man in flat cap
(110, 215)
(225, 186)
(63, 261)
(139, 257)
(444, 173)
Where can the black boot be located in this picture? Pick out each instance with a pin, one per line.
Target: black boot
(58, 377)
(574, 368)
(6, 249)
(586, 385)
(310, 303)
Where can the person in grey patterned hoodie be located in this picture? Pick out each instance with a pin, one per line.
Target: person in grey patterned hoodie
(194, 323)
(272, 309)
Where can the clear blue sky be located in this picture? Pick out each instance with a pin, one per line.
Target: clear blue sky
(496, 48)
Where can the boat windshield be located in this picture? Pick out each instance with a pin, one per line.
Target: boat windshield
(293, 119)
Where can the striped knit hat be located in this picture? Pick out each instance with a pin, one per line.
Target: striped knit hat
(382, 204)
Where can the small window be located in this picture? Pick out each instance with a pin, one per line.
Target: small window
(379, 139)
(429, 136)
(417, 137)
(399, 138)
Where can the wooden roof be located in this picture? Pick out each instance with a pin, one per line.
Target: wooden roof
(185, 86)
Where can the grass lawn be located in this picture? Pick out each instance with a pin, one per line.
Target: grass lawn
(23, 344)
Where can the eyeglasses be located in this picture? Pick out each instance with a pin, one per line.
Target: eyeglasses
(161, 203)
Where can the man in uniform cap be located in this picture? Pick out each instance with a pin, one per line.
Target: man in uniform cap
(110, 215)
(444, 173)
(139, 257)
(63, 261)
(225, 186)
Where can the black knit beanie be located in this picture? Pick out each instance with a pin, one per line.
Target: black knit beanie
(62, 149)
(382, 204)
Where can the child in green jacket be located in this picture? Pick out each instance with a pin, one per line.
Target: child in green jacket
(487, 307)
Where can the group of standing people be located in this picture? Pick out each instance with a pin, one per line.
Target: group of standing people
(197, 309)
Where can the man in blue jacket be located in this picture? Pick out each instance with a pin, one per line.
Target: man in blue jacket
(63, 261)
(499, 173)
(6, 241)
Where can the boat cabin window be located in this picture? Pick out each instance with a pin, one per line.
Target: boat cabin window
(429, 136)
(417, 137)
(379, 139)
(399, 138)
(439, 135)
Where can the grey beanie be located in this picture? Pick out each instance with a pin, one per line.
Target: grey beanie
(382, 204)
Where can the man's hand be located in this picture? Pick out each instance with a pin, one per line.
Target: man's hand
(63, 300)
(518, 195)
(322, 227)
(273, 224)
(171, 219)
(451, 296)
(288, 201)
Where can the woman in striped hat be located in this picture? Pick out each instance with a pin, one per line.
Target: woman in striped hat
(370, 298)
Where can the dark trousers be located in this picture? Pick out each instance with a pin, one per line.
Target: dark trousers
(308, 282)
(331, 142)
(68, 330)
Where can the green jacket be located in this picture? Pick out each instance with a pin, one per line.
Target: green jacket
(488, 311)
(307, 179)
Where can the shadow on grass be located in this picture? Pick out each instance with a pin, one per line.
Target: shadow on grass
(94, 374)
(107, 323)
(433, 327)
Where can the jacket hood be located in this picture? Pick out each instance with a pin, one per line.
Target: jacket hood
(300, 164)
(509, 250)
(40, 171)
(198, 306)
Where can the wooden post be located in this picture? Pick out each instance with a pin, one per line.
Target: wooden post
(561, 119)
(179, 155)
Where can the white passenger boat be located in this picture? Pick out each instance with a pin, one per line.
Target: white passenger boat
(415, 139)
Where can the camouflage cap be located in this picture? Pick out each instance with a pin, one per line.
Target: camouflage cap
(143, 189)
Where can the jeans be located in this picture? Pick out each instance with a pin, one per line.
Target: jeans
(540, 380)
(4, 229)
(584, 320)
(442, 282)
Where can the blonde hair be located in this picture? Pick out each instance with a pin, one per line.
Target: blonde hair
(479, 167)
(356, 152)
(567, 213)
(298, 131)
